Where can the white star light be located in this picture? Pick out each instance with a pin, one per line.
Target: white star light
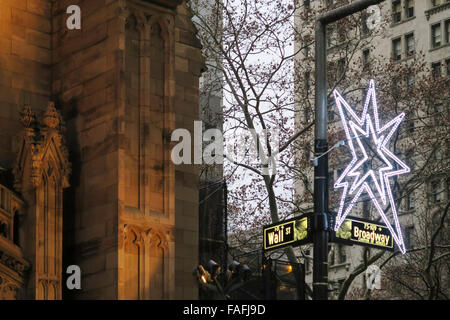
(354, 130)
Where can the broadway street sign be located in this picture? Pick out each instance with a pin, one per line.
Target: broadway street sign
(292, 232)
(364, 232)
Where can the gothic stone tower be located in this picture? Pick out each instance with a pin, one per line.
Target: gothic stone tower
(94, 185)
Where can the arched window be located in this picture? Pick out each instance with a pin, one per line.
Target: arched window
(3, 229)
(147, 116)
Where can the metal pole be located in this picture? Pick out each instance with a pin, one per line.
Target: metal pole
(319, 218)
(300, 277)
(320, 233)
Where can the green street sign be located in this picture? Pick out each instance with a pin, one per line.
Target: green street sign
(365, 233)
(292, 232)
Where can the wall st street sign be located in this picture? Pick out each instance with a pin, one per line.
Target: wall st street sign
(364, 232)
(292, 232)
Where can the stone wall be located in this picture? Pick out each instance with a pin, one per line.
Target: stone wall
(25, 73)
(86, 73)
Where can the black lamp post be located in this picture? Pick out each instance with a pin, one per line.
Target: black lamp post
(321, 212)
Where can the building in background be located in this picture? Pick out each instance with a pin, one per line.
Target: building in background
(212, 187)
(87, 179)
(413, 28)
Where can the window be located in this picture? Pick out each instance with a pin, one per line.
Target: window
(341, 34)
(331, 178)
(341, 68)
(410, 129)
(436, 191)
(395, 84)
(16, 229)
(409, 157)
(410, 79)
(364, 94)
(339, 172)
(3, 229)
(307, 83)
(410, 205)
(306, 261)
(448, 189)
(409, 44)
(306, 114)
(436, 69)
(438, 114)
(330, 115)
(397, 49)
(366, 59)
(332, 71)
(448, 275)
(396, 11)
(409, 8)
(447, 64)
(436, 35)
(330, 107)
(307, 52)
(409, 235)
(330, 37)
(364, 27)
(342, 256)
(447, 31)
(332, 256)
(307, 6)
(307, 265)
(340, 284)
(437, 155)
(436, 2)
(3, 201)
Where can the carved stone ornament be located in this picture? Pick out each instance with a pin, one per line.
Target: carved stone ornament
(39, 143)
(27, 117)
(8, 289)
(150, 236)
(51, 116)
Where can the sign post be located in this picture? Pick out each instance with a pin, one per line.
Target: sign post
(299, 230)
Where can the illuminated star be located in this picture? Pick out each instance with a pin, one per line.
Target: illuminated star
(380, 137)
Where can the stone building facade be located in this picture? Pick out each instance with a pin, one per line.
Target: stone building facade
(85, 123)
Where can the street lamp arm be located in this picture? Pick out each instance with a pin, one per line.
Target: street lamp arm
(344, 11)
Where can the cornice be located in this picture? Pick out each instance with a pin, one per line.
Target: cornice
(437, 9)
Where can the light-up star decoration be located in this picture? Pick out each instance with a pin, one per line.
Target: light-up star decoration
(355, 179)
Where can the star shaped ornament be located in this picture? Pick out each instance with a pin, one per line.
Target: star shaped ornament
(358, 176)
